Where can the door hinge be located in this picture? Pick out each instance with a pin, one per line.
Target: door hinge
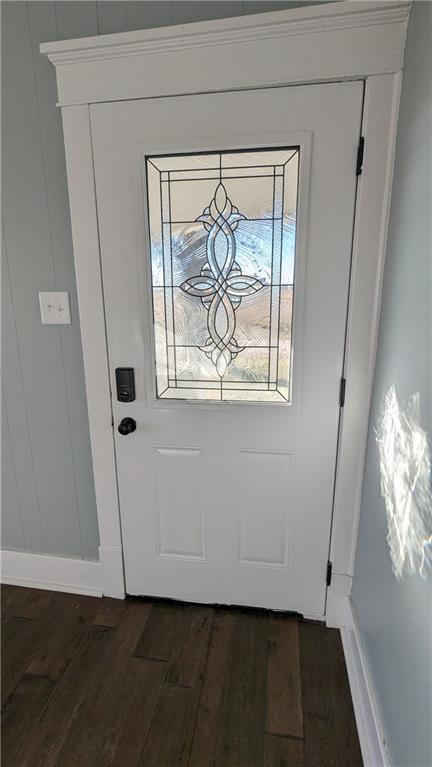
(329, 573)
(342, 388)
(360, 153)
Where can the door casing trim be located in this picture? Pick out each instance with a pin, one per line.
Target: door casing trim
(338, 41)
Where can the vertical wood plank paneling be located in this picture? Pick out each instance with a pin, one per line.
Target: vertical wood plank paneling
(262, 6)
(11, 523)
(17, 414)
(149, 13)
(111, 17)
(76, 19)
(28, 245)
(184, 11)
(43, 27)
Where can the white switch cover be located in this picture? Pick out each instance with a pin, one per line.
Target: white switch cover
(54, 308)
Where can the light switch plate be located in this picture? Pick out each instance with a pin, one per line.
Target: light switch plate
(54, 307)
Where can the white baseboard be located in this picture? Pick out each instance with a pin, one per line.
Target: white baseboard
(40, 571)
(370, 730)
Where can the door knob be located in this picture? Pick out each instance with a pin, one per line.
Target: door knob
(127, 426)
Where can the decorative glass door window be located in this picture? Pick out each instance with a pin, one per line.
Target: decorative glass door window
(222, 234)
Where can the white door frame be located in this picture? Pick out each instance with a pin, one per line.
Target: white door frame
(322, 43)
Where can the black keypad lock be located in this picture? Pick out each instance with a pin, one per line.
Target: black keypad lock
(125, 381)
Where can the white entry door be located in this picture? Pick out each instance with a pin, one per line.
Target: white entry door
(226, 224)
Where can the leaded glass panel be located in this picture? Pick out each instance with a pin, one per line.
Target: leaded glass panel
(223, 238)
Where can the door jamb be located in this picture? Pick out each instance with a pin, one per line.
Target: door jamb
(366, 40)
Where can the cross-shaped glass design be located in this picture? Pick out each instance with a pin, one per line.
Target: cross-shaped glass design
(221, 284)
(222, 233)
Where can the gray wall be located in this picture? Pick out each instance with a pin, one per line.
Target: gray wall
(395, 617)
(48, 494)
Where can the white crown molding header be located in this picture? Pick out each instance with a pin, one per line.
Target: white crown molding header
(316, 19)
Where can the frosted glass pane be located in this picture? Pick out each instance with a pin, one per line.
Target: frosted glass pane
(253, 319)
(188, 250)
(223, 240)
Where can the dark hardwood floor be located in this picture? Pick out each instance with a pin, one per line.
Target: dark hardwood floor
(99, 682)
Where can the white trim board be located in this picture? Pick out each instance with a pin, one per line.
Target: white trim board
(369, 726)
(309, 44)
(39, 571)
(335, 41)
(235, 30)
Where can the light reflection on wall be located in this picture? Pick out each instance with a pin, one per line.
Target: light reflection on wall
(405, 466)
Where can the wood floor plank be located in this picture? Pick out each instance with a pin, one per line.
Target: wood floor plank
(6, 597)
(209, 715)
(137, 705)
(22, 709)
(18, 637)
(22, 636)
(111, 612)
(320, 749)
(113, 721)
(43, 742)
(316, 699)
(169, 739)
(283, 752)
(241, 737)
(284, 712)
(56, 649)
(34, 605)
(343, 711)
(116, 733)
(186, 667)
(48, 660)
(11, 598)
(164, 630)
(326, 700)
